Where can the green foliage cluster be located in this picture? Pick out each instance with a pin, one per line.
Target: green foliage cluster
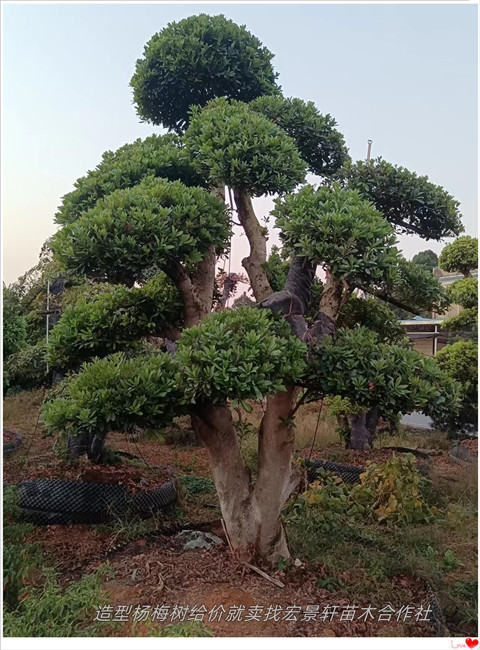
(50, 611)
(464, 292)
(27, 368)
(195, 60)
(315, 135)
(158, 155)
(233, 145)
(14, 324)
(196, 484)
(374, 315)
(276, 268)
(337, 228)
(410, 202)
(459, 361)
(154, 223)
(241, 354)
(394, 378)
(116, 393)
(416, 288)
(461, 255)
(113, 321)
(428, 259)
(391, 493)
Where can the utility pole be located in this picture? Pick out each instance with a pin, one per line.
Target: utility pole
(369, 149)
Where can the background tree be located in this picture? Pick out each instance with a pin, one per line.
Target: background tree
(14, 324)
(428, 259)
(379, 379)
(459, 361)
(461, 255)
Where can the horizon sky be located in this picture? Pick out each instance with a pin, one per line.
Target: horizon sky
(404, 76)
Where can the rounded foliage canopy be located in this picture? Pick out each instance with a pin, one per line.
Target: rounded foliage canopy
(157, 155)
(410, 202)
(461, 255)
(245, 353)
(154, 223)
(393, 378)
(337, 228)
(464, 292)
(232, 144)
(428, 259)
(195, 60)
(417, 288)
(113, 321)
(116, 393)
(315, 135)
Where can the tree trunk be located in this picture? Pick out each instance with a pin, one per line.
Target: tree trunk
(371, 422)
(276, 478)
(359, 434)
(252, 514)
(195, 306)
(257, 238)
(213, 425)
(331, 300)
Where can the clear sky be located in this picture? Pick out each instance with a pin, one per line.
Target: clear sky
(402, 75)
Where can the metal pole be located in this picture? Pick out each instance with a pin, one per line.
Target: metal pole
(48, 315)
(369, 148)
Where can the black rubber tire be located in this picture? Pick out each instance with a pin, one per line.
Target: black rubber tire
(61, 502)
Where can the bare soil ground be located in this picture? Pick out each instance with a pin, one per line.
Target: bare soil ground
(150, 568)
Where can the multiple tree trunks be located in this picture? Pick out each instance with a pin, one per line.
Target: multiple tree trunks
(251, 512)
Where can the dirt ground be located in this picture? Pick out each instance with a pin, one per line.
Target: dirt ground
(152, 569)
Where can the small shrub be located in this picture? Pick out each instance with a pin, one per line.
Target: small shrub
(392, 492)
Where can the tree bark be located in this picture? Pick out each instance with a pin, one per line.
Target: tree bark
(331, 300)
(252, 513)
(359, 434)
(371, 422)
(276, 478)
(213, 425)
(195, 305)
(257, 238)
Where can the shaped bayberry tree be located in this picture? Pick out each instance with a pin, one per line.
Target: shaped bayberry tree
(158, 223)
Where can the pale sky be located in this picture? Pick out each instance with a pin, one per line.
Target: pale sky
(403, 75)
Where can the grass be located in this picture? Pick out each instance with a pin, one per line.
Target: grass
(370, 559)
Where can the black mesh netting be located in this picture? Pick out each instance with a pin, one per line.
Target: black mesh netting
(60, 502)
(348, 473)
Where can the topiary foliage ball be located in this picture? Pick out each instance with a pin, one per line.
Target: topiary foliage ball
(315, 135)
(337, 228)
(158, 155)
(155, 223)
(245, 353)
(194, 60)
(233, 145)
